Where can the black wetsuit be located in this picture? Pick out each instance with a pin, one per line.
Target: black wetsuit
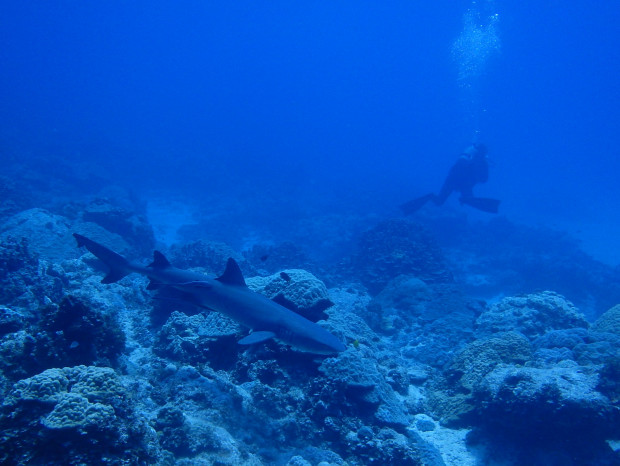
(464, 175)
(468, 171)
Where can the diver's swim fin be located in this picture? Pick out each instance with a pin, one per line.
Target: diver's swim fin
(414, 205)
(482, 203)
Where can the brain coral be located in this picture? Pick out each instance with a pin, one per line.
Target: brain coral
(79, 395)
(399, 247)
(296, 289)
(76, 415)
(609, 322)
(46, 386)
(533, 315)
(75, 411)
(480, 357)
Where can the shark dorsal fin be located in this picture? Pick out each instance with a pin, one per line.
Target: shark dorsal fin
(232, 275)
(159, 261)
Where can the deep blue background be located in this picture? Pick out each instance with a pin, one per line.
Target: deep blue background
(348, 104)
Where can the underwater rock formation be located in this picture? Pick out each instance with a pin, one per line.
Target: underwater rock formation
(480, 357)
(609, 322)
(500, 257)
(74, 334)
(119, 220)
(408, 310)
(48, 235)
(296, 289)
(584, 346)
(210, 256)
(82, 413)
(83, 363)
(199, 338)
(398, 247)
(451, 396)
(274, 258)
(545, 406)
(533, 315)
(14, 199)
(360, 380)
(18, 267)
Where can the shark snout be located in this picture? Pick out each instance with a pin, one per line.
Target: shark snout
(319, 341)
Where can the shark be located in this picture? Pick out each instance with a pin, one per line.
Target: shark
(227, 294)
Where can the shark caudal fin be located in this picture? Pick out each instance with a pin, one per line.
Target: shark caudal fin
(118, 265)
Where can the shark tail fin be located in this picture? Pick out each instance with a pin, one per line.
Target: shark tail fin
(118, 265)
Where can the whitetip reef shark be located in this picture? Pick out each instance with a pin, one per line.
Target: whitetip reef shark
(227, 294)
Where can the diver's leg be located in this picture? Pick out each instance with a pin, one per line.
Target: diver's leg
(444, 193)
(415, 204)
(466, 194)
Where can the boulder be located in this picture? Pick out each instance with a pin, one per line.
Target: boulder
(609, 322)
(295, 289)
(533, 315)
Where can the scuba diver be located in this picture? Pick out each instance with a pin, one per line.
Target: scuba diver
(471, 168)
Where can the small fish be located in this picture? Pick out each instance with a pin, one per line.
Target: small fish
(285, 276)
(264, 258)
(73, 345)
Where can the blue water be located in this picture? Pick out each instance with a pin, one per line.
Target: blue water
(292, 132)
(358, 102)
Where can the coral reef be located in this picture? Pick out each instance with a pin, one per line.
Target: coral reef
(119, 220)
(85, 416)
(501, 257)
(408, 310)
(533, 315)
(198, 339)
(274, 258)
(295, 289)
(17, 268)
(208, 255)
(47, 235)
(118, 373)
(398, 247)
(540, 407)
(74, 334)
(609, 322)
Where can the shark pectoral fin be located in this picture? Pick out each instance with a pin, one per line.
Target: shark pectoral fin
(256, 337)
